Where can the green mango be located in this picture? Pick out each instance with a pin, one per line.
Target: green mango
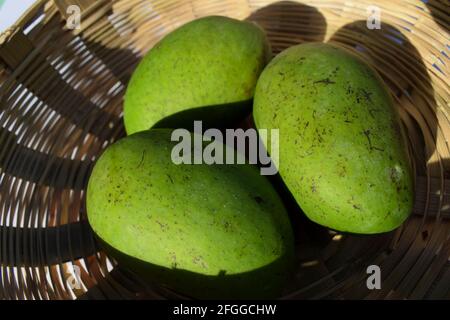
(342, 152)
(209, 66)
(206, 231)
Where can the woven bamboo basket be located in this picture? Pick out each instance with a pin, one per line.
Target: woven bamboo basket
(61, 92)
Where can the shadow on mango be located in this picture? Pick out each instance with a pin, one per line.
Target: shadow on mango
(218, 116)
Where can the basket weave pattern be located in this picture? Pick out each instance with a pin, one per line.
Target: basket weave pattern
(61, 94)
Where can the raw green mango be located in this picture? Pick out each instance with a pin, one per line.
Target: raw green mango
(342, 151)
(205, 70)
(207, 231)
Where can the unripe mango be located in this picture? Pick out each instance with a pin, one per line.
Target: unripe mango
(207, 231)
(205, 70)
(342, 151)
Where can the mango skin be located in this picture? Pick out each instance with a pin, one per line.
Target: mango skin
(206, 231)
(212, 61)
(342, 150)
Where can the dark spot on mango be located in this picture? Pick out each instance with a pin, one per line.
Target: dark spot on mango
(258, 199)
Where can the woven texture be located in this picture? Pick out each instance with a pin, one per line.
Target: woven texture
(61, 94)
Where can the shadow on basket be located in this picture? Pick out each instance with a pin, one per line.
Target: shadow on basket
(288, 23)
(262, 283)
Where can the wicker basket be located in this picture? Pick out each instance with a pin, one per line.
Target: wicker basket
(61, 95)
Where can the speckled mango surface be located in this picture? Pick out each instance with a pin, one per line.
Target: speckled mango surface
(208, 231)
(342, 154)
(207, 62)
